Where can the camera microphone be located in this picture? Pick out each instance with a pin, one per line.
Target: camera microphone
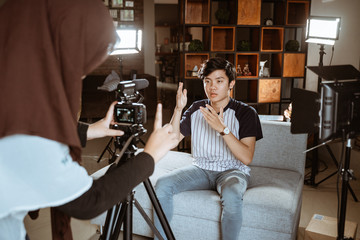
(140, 83)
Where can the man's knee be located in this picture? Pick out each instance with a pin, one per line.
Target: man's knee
(163, 187)
(232, 191)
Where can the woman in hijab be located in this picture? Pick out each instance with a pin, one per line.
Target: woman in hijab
(46, 47)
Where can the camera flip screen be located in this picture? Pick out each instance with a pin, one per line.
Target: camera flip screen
(125, 115)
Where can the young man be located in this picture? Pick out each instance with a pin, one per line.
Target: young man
(223, 135)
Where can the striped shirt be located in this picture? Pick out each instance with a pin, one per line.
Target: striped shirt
(208, 147)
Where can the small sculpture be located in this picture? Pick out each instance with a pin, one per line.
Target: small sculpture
(262, 64)
(246, 70)
(238, 70)
(195, 71)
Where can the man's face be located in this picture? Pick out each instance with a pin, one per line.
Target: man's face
(216, 86)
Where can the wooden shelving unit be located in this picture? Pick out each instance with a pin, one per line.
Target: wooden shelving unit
(272, 39)
(197, 12)
(297, 12)
(247, 39)
(223, 39)
(248, 12)
(192, 60)
(248, 58)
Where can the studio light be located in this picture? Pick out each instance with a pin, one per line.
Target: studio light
(322, 30)
(130, 42)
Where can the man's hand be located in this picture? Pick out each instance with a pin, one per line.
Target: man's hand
(216, 121)
(162, 139)
(181, 98)
(102, 128)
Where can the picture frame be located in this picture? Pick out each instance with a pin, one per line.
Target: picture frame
(127, 15)
(113, 13)
(117, 3)
(129, 3)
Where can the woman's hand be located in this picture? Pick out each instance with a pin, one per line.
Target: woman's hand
(102, 128)
(162, 139)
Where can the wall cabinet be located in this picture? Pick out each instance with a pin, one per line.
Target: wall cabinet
(251, 33)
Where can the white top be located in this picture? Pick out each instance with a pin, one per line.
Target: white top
(36, 173)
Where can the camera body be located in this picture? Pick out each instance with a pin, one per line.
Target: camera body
(130, 113)
(129, 110)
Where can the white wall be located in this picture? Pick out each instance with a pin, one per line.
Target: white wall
(149, 37)
(347, 51)
(347, 48)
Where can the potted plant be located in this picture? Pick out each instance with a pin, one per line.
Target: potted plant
(196, 46)
(243, 45)
(222, 15)
(292, 45)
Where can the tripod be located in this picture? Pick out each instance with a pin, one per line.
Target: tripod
(347, 175)
(315, 162)
(121, 213)
(312, 179)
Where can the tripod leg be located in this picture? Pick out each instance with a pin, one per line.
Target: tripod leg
(314, 163)
(345, 184)
(106, 148)
(148, 220)
(160, 213)
(332, 155)
(337, 165)
(109, 223)
(128, 218)
(316, 184)
(119, 221)
(353, 194)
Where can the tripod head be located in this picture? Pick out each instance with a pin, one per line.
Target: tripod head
(126, 144)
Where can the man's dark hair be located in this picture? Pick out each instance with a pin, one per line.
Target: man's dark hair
(214, 64)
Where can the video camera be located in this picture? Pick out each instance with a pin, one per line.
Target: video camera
(129, 112)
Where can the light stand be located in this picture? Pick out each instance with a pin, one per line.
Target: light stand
(321, 63)
(321, 30)
(120, 58)
(346, 175)
(339, 111)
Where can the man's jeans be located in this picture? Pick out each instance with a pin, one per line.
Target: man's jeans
(230, 184)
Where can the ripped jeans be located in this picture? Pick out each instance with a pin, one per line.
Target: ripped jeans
(231, 186)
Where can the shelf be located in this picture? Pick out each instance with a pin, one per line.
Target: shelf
(249, 12)
(297, 12)
(228, 56)
(223, 38)
(272, 39)
(197, 11)
(274, 10)
(192, 59)
(200, 33)
(248, 58)
(247, 39)
(294, 65)
(246, 91)
(274, 63)
(269, 90)
(197, 90)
